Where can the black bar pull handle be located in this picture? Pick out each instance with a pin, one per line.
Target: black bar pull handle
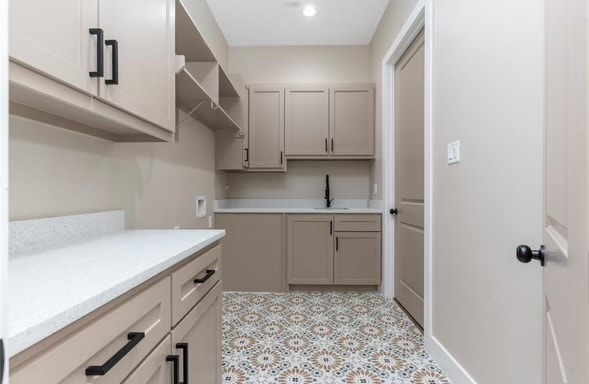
(332, 145)
(337, 243)
(281, 157)
(99, 52)
(330, 227)
(115, 62)
(247, 154)
(175, 360)
(101, 370)
(185, 361)
(326, 145)
(210, 273)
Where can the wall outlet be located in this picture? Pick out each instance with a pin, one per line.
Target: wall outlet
(454, 152)
(201, 207)
(211, 223)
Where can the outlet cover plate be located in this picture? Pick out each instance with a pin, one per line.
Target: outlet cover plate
(201, 207)
(454, 152)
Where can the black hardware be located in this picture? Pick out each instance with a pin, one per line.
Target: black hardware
(330, 227)
(115, 62)
(325, 144)
(525, 254)
(174, 359)
(101, 370)
(328, 198)
(1, 360)
(331, 145)
(184, 348)
(99, 52)
(247, 154)
(210, 272)
(337, 243)
(394, 211)
(281, 157)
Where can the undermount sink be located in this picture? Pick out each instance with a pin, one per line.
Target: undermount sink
(330, 208)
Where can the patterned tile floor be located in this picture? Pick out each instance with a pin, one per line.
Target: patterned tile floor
(322, 337)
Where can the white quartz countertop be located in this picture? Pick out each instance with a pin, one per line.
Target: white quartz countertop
(51, 289)
(296, 210)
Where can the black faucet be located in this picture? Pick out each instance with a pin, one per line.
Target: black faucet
(328, 198)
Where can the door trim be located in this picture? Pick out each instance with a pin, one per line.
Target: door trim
(421, 17)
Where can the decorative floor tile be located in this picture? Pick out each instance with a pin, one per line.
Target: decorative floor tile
(322, 337)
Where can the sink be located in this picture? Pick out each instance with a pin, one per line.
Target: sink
(330, 208)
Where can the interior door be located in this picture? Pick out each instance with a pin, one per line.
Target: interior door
(144, 34)
(409, 178)
(306, 128)
(565, 221)
(53, 37)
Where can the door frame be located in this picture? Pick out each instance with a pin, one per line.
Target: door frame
(3, 179)
(421, 17)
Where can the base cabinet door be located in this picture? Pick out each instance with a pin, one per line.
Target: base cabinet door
(310, 249)
(357, 258)
(197, 341)
(156, 368)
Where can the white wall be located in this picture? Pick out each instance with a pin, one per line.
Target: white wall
(309, 64)
(488, 93)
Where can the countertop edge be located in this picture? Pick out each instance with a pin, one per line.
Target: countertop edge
(301, 210)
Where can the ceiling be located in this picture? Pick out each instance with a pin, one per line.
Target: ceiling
(281, 22)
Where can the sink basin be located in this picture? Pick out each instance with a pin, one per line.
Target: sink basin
(330, 208)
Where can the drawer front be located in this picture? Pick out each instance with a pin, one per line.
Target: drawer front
(191, 282)
(357, 223)
(155, 369)
(200, 330)
(148, 312)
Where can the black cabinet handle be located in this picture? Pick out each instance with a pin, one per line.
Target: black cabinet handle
(281, 157)
(247, 154)
(174, 359)
(330, 227)
(101, 370)
(331, 145)
(337, 243)
(210, 272)
(99, 52)
(115, 62)
(326, 145)
(185, 361)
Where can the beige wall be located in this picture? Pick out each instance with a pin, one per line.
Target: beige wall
(321, 64)
(488, 93)
(392, 21)
(304, 180)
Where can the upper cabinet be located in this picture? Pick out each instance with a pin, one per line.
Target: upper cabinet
(306, 129)
(266, 128)
(352, 121)
(102, 67)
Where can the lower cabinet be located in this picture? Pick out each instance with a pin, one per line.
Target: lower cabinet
(197, 340)
(341, 249)
(157, 368)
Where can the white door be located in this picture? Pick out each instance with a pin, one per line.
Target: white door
(139, 34)
(409, 178)
(3, 180)
(53, 37)
(566, 196)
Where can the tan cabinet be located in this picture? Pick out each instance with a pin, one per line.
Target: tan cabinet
(310, 249)
(306, 129)
(253, 251)
(156, 368)
(341, 249)
(357, 258)
(197, 338)
(352, 120)
(141, 37)
(266, 128)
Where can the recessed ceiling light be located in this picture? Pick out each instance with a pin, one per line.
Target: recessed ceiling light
(309, 11)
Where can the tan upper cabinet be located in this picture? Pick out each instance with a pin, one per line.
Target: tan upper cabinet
(141, 34)
(310, 249)
(306, 127)
(352, 120)
(266, 128)
(54, 38)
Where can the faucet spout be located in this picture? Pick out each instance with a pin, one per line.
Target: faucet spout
(328, 198)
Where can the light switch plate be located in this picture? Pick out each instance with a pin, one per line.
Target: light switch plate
(201, 207)
(454, 152)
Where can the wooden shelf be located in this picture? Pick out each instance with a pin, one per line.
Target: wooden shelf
(189, 40)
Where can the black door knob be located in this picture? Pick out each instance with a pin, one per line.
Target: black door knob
(394, 211)
(525, 254)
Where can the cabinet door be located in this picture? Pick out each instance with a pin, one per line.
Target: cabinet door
(53, 37)
(154, 369)
(310, 249)
(306, 129)
(352, 120)
(266, 127)
(144, 31)
(357, 258)
(200, 330)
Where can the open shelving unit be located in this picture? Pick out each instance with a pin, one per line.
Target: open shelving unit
(203, 87)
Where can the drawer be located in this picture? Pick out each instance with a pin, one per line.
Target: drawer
(118, 330)
(191, 282)
(357, 223)
(154, 369)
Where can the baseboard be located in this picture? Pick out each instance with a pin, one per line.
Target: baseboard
(452, 369)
